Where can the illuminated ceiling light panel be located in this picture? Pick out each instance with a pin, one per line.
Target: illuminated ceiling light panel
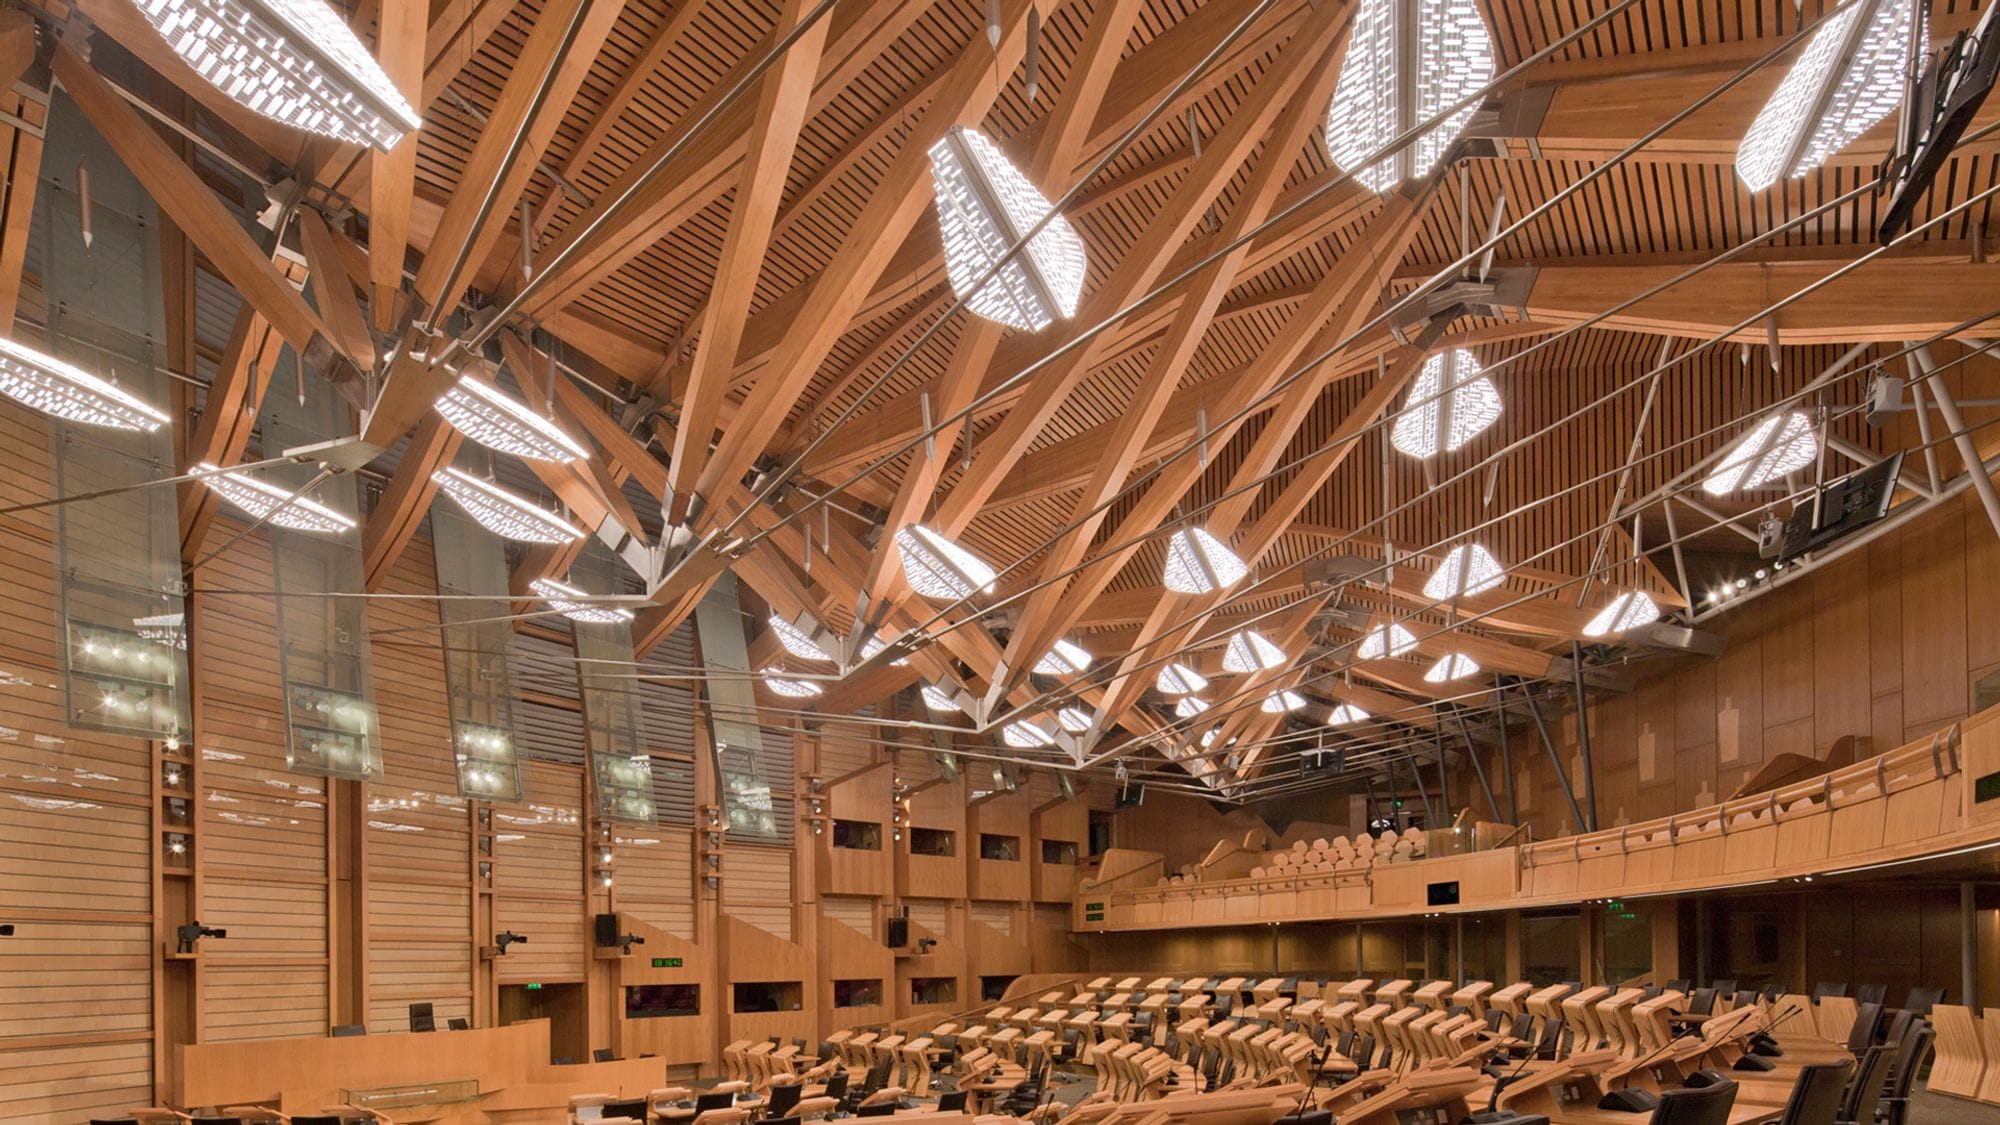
(1187, 707)
(502, 512)
(291, 60)
(272, 504)
(1450, 402)
(1470, 569)
(568, 601)
(1179, 679)
(985, 205)
(1626, 611)
(1249, 651)
(873, 645)
(1207, 740)
(1065, 659)
(64, 390)
(1407, 61)
(1454, 666)
(1386, 640)
(796, 641)
(1781, 444)
(1198, 563)
(1279, 702)
(1026, 735)
(1346, 714)
(498, 421)
(936, 567)
(1075, 720)
(790, 688)
(937, 699)
(1849, 77)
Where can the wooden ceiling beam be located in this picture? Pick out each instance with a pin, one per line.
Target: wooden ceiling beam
(781, 105)
(1140, 267)
(407, 497)
(392, 175)
(870, 435)
(550, 70)
(1134, 425)
(22, 150)
(229, 414)
(1062, 137)
(1888, 298)
(897, 202)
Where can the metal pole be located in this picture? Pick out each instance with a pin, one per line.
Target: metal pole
(1968, 944)
(1444, 775)
(1583, 733)
(1555, 760)
(1506, 756)
(1478, 767)
(1922, 364)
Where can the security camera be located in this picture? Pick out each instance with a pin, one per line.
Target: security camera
(627, 941)
(193, 932)
(6, 929)
(505, 938)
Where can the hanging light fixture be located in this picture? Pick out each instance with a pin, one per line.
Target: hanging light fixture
(568, 601)
(796, 640)
(1407, 61)
(1026, 734)
(788, 687)
(938, 568)
(1249, 651)
(1849, 77)
(1279, 702)
(1065, 659)
(1781, 444)
(1179, 679)
(1075, 720)
(1452, 666)
(985, 206)
(496, 420)
(502, 512)
(1188, 706)
(63, 390)
(1346, 714)
(271, 504)
(1198, 563)
(937, 698)
(1466, 570)
(294, 61)
(1626, 611)
(1389, 639)
(1450, 402)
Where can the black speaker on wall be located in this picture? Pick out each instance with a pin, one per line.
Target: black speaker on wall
(899, 933)
(607, 930)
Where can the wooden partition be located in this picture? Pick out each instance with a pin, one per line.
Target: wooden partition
(510, 1065)
(664, 960)
(996, 821)
(756, 956)
(1059, 833)
(847, 954)
(936, 816)
(858, 842)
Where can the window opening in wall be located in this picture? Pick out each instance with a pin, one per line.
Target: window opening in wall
(768, 996)
(860, 993)
(999, 847)
(936, 842)
(994, 988)
(655, 1001)
(861, 835)
(933, 990)
(1059, 851)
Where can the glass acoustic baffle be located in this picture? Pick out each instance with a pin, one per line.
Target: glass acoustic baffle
(121, 616)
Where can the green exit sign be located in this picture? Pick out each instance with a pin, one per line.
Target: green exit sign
(534, 986)
(666, 962)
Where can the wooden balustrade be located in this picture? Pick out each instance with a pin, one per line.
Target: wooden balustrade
(1905, 804)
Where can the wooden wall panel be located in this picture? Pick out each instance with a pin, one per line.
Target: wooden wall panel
(856, 912)
(77, 978)
(64, 853)
(757, 888)
(46, 1084)
(656, 876)
(538, 878)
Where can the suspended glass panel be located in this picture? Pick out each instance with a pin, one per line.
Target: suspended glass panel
(121, 627)
(474, 609)
(613, 719)
(732, 714)
(330, 721)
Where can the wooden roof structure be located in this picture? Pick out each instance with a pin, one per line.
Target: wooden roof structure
(733, 287)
